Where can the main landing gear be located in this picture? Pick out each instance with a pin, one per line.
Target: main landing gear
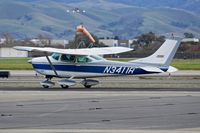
(47, 83)
(88, 83)
(66, 83)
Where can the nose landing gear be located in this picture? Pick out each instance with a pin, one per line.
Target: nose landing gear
(88, 83)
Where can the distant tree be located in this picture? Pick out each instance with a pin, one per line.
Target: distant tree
(147, 38)
(101, 37)
(27, 42)
(45, 40)
(161, 38)
(9, 38)
(188, 35)
(81, 41)
(116, 37)
(147, 43)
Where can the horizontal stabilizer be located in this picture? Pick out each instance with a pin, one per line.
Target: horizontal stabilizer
(152, 69)
(172, 69)
(83, 51)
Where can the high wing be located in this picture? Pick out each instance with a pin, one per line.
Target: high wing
(83, 51)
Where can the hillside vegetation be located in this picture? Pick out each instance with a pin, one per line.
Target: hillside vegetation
(126, 19)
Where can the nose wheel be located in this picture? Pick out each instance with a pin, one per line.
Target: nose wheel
(45, 86)
(64, 86)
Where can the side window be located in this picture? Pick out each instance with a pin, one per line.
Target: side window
(73, 58)
(82, 59)
(56, 56)
(67, 58)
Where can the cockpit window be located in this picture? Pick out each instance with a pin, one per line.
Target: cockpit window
(56, 56)
(75, 58)
(67, 58)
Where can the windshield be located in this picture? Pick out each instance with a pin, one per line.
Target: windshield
(55, 56)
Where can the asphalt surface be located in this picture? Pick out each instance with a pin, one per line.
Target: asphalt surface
(188, 80)
(85, 111)
(151, 104)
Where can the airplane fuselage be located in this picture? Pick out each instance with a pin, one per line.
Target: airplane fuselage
(84, 70)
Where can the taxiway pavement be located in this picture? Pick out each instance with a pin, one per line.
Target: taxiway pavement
(118, 104)
(99, 111)
(179, 80)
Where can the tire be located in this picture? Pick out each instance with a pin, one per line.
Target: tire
(64, 86)
(45, 86)
(87, 86)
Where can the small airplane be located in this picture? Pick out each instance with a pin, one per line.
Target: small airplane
(86, 63)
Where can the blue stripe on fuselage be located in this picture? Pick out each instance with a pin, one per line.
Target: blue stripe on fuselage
(93, 69)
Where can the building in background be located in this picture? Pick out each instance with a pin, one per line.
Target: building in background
(114, 43)
(50, 42)
(2, 40)
(190, 40)
(10, 52)
(62, 43)
(109, 42)
(123, 43)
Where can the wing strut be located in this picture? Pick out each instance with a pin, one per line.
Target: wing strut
(52, 67)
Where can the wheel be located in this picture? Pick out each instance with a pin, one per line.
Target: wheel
(45, 86)
(64, 86)
(87, 86)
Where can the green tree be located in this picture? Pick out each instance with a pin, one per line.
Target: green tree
(82, 41)
(188, 35)
(116, 37)
(147, 38)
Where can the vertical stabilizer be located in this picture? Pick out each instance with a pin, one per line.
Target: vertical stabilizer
(163, 56)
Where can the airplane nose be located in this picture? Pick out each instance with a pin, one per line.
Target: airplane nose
(30, 61)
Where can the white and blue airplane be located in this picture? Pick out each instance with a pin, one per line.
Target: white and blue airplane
(85, 63)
